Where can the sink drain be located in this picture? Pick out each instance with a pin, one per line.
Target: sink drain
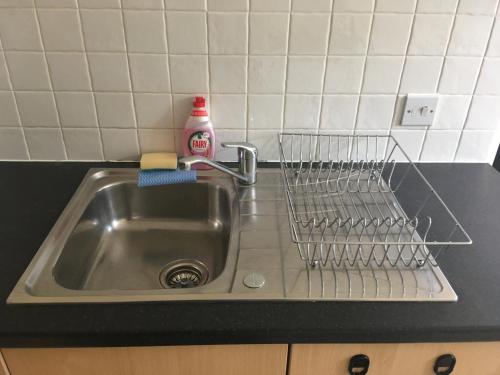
(184, 274)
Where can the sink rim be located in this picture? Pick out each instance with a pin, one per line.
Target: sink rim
(40, 269)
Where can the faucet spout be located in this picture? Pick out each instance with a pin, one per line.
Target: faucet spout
(188, 161)
(247, 160)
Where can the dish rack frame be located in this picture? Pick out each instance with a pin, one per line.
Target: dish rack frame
(358, 201)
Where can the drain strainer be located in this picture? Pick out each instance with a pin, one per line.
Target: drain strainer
(184, 274)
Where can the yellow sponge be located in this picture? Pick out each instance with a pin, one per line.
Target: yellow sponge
(159, 160)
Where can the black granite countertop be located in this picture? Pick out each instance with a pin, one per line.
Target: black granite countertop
(33, 194)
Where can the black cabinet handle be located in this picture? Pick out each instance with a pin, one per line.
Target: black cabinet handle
(445, 364)
(359, 364)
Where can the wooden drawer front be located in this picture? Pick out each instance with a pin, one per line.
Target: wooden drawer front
(174, 360)
(395, 359)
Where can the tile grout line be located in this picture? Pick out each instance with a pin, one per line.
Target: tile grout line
(217, 11)
(13, 93)
(247, 109)
(441, 72)
(13, 127)
(287, 56)
(326, 57)
(398, 92)
(495, 19)
(51, 83)
(100, 52)
(209, 77)
(218, 93)
(172, 114)
(444, 62)
(99, 130)
(405, 56)
(228, 11)
(362, 80)
(131, 84)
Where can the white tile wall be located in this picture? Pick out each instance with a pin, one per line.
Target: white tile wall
(83, 144)
(228, 74)
(45, 144)
(145, 31)
(37, 109)
(187, 32)
(153, 110)
(433, 6)
(430, 34)
(309, 34)
(440, 145)
(60, 29)
(103, 30)
(382, 74)
(69, 71)
(305, 74)
(268, 33)
(109, 79)
(302, 111)
(28, 71)
(115, 110)
(421, 74)
(9, 115)
(109, 71)
(339, 112)
(410, 141)
(265, 111)
(350, 33)
(76, 109)
(390, 34)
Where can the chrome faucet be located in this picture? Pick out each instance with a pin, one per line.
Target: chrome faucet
(247, 161)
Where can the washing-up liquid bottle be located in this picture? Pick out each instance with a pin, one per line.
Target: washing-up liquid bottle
(199, 135)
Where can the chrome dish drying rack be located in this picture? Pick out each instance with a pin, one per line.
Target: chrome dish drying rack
(359, 207)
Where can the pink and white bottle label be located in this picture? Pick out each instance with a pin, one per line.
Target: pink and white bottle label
(199, 143)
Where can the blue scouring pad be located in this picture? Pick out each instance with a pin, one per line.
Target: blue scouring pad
(155, 177)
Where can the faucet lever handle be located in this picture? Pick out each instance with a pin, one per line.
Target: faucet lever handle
(248, 149)
(247, 160)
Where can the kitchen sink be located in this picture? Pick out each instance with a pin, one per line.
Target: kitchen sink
(210, 240)
(116, 241)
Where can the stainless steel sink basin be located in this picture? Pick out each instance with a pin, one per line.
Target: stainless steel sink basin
(115, 239)
(128, 235)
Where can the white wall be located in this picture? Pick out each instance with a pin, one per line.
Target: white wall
(109, 79)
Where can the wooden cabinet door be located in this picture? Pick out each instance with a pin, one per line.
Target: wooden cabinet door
(3, 366)
(395, 359)
(164, 360)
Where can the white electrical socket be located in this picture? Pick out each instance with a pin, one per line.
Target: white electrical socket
(420, 109)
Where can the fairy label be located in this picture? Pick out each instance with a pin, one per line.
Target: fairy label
(199, 143)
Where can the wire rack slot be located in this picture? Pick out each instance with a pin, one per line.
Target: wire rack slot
(358, 201)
